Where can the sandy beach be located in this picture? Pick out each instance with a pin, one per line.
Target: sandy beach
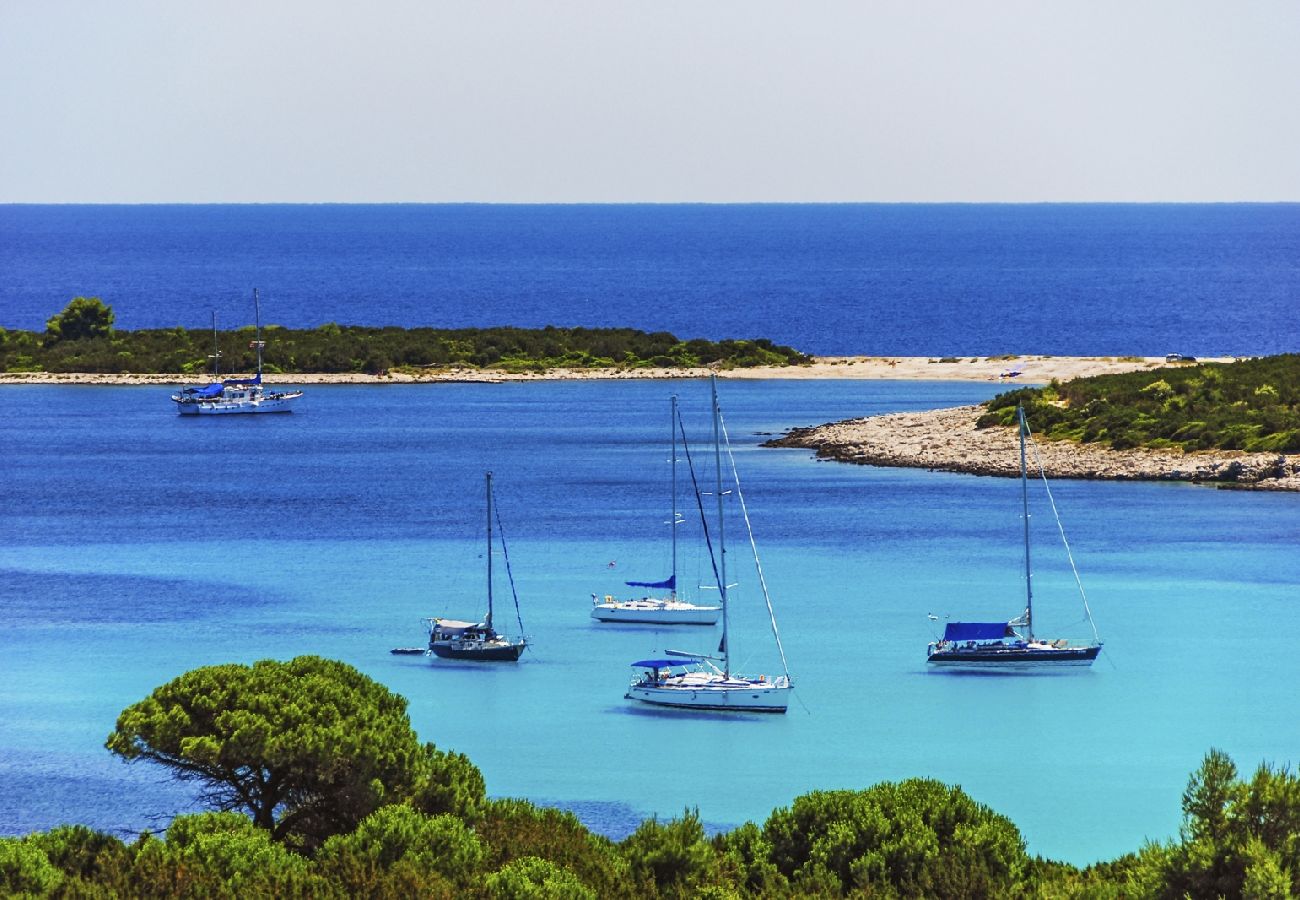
(1007, 370)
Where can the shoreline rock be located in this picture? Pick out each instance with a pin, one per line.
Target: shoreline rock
(947, 440)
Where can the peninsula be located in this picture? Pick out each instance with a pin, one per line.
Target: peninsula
(1227, 424)
(81, 346)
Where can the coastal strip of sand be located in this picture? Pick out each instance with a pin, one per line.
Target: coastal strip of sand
(947, 440)
(1005, 369)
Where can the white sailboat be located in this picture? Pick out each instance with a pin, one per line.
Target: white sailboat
(668, 609)
(235, 395)
(996, 646)
(702, 681)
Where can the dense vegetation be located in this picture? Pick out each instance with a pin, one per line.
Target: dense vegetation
(1249, 405)
(361, 809)
(81, 339)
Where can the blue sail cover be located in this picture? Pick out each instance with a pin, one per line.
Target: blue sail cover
(661, 663)
(976, 631)
(256, 379)
(212, 390)
(670, 584)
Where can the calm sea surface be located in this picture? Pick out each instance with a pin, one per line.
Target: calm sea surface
(137, 545)
(831, 279)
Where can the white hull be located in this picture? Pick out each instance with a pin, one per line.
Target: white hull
(655, 612)
(685, 681)
(231, 407)
(715, 693)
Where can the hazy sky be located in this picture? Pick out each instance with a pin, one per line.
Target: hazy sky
(658, 100)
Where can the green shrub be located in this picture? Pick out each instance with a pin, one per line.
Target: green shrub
(1247, 405)
(334, 348)
(25, 870)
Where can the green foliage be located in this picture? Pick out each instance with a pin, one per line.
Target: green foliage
(671, 859)
(745, 856)
(25, 870)
(1239, 839)
(397, 851)
(219, 855)
(334, 348)
(1251, 405)
(82, 319)
(449, 783)
(916, 838)
(530, 878)
(88, 859)
(516, 829)
(308, 748)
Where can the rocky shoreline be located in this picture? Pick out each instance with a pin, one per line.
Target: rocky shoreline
(947, 440)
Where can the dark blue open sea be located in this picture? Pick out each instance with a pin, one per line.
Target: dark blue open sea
(1206, 279)
(135, 545)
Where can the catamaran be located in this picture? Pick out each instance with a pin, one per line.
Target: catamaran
(669, 609)
(704, 681)
(234, 395)
(479, 641)
(992, 646)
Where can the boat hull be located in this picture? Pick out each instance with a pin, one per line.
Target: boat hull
(494, 652)
(1014, 659)
(762, 697)
(220, 408)
(662, 615)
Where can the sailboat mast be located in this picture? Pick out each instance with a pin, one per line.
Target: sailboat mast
(489, 549)
(722, 533)
(672, 520)
(257, 319)
(1024, 502)
(216, 351)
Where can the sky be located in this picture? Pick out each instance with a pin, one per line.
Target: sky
(714, 101)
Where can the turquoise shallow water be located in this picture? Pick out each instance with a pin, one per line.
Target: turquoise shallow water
(137, 545)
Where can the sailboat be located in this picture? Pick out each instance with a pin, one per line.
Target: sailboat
(703, 681)
(234, 395)
(666, 610)
(1012, 645)
(479, 641)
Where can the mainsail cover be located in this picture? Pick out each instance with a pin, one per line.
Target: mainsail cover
(670, 584)
(977, 631)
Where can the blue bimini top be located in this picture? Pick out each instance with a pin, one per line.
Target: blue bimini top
(977, 631)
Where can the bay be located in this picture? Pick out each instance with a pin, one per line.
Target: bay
(876, 279)
(137, 545)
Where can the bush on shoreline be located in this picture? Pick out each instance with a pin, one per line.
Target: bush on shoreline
(1251, 405)
(334, 348)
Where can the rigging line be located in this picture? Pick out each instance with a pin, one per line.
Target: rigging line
(762, 580)
(1069, 554)
(510, 575)
(699, 504)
